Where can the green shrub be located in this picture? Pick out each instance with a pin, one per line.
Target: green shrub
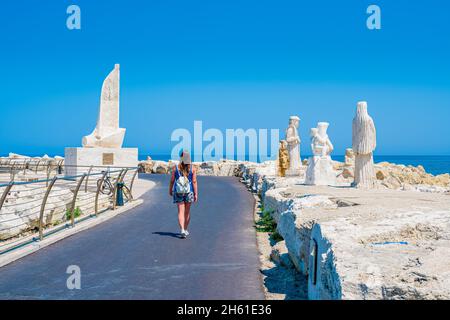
(276, 237)
(267, 224)
(77, 213)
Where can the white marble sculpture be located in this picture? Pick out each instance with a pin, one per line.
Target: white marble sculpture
(293, 141)
(364, 143)
(349, 157)
(107, 133)
(320, 170)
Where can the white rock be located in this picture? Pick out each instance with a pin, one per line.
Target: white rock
(17, 156)
(160, 167)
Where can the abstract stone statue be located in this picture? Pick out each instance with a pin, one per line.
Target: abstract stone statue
(107, 133)
(364, 143)
(293, 142)
(320, 170)
(283, 158)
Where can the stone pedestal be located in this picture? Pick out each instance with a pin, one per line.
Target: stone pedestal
(78, 160)
(320, 171)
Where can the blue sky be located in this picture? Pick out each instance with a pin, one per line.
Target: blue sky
(231, 64)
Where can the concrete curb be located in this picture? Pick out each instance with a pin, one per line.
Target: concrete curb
(19, 253)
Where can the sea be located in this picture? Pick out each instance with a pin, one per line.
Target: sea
(433, 164)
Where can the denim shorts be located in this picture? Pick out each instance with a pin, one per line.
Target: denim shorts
(183, 197)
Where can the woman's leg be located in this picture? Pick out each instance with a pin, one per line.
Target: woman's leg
(181, 215)
(187, 215)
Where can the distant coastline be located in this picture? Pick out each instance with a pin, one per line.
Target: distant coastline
(435, 165)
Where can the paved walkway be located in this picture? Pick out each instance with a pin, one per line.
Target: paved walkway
(138, 255)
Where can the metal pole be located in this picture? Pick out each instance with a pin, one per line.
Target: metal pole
(87, 179)
(11, 174)
(25, 167)
(72, 207)
(44, 202)
(119, 180)
(99, 186)
(37, 166)
(132, 183)
(49, 169)
(59, 166)
(5, 194)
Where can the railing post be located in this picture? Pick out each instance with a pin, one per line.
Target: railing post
(75, 194)
(44, 202)
(132, 183)
(5, 194)
(37, 166)
(49, 170)
(87, 179)
(119, 180)
(99, 186)
(59, 166)
(25, 167)
(12, 175)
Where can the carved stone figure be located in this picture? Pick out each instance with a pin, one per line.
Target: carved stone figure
(320, 143)
(349, 157)
(320, 170)
(283, 158)
(364, 143)
(293, 146)
(107, 133)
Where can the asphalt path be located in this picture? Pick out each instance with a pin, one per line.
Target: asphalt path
(140, 255)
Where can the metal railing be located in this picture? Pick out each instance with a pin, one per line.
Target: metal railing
(33, 169)
(32, 210)
(26, 169)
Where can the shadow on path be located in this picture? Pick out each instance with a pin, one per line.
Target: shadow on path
(169, 234)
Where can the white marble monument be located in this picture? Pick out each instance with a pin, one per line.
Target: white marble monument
(320, 170)
(103, 147)
(293, 142)
(364, 143)
(107, 133)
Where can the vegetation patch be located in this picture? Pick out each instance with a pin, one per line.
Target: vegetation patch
(267, 224)
(77, 213)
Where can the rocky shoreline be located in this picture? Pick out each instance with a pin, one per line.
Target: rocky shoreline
(389, 175)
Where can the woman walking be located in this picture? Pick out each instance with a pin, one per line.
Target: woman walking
(183, 189)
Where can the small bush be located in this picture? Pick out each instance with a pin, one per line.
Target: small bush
(77, 213)
(276, 237)
(267, 224)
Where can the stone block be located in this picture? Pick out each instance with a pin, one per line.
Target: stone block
(78, 160)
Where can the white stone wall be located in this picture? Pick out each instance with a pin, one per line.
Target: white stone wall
(348, 265)
(86, 157)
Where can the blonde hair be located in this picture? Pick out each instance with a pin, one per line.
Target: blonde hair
(184, 169)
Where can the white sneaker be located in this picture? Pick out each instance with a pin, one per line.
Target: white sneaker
(186, 233)
(183, 234)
